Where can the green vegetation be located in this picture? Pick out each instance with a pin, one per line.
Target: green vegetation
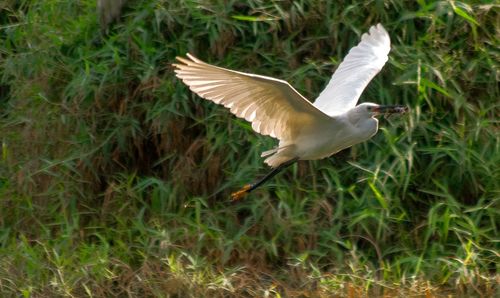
(115, 179)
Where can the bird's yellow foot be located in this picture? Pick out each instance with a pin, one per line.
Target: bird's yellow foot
(238, 195)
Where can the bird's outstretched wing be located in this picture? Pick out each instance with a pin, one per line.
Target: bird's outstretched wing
(359, 67)
(273, 106)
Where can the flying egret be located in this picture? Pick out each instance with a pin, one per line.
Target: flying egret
(305, 130)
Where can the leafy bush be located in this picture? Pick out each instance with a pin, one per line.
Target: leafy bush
(114, 178)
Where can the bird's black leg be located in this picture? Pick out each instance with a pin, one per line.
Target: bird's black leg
(249, 187)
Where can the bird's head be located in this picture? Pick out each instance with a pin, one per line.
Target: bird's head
(373, 109)
(364, 115)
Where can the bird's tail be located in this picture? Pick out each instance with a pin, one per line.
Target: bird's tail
(269, 152)
(275, 160)
(277, 156)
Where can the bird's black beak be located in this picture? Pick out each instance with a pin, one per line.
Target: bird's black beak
(390, 109)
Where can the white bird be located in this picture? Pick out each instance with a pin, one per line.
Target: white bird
(305, 130)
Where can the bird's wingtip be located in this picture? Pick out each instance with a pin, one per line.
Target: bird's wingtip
(377, 31)
(182, 60)
(193, 58)
(188, 59)
(380, 27)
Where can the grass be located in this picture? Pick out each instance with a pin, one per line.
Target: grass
(115, 179)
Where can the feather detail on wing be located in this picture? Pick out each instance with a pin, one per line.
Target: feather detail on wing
(359, 67)
(273, 106)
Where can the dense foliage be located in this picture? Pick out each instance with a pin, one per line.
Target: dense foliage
(115, 179)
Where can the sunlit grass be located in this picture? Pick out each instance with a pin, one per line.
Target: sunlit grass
(115, 179)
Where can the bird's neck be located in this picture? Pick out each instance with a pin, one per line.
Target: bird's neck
(365, 124)
(357, 115)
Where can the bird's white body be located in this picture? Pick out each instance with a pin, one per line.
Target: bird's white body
(306, 130)
(326, 138)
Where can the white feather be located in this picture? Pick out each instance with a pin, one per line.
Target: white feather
(271, 101)
(359, 67)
